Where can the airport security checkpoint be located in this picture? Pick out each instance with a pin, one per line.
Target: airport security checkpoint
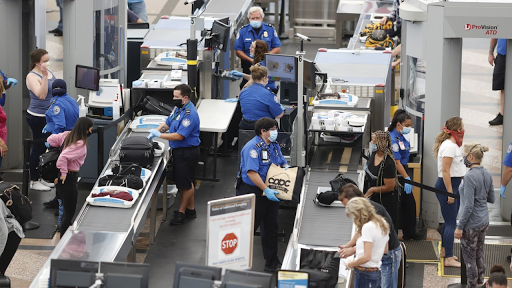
(237, 144)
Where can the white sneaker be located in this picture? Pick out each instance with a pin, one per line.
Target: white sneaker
(36, 185)
(47, 184)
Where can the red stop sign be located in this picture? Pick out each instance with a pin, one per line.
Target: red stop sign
(229, 243)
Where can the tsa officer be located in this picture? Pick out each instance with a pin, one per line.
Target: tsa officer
(401, 125)
(183, 135)
(63, 112)
(256, 157)
(507, 173)
(255, 30)
(257, 101)
(6, 84)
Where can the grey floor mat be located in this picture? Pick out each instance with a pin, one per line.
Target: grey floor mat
(421, 251)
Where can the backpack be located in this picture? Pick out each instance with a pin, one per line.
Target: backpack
(47, 168)
(339, 181)
(18, 203)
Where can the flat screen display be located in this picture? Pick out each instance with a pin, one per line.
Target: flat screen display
(281, 67)
(87, 78)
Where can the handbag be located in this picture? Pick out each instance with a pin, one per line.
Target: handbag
(124, 169)
(18, 203)
(322, 266)
(339, 181)
(128, 181)
(47, 168)
(152, 106)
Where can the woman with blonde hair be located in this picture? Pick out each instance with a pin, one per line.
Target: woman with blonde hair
(381, 182)
(373, 232)
(475, 191)
(450, 170)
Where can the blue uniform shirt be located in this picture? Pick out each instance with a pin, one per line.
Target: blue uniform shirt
(508, 157)
(258, 102)
(398, 152)
(246, 35)
(62, 114)
(252, 158)
(184, 121)
(502, 47)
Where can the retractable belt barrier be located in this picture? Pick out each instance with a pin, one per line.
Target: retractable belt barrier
(426, 187)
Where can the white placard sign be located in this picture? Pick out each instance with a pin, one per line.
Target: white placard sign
(230, 232)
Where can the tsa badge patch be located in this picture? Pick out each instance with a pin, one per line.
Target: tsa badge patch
(509, 148)
(254, 154)
(186, 122)
(395, 147)
(56, 110)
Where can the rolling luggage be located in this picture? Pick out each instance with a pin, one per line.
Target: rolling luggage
(137, 149)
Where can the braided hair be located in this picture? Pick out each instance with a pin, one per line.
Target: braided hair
(383, 142)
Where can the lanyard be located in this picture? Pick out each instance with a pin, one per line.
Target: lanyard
(177, 112)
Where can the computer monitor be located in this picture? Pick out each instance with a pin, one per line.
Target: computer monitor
(281, 67)
(87, 78)
(195, 275)
(249, 279)
(220, 35)
(125, 275)
(309, 74)
(72, 273)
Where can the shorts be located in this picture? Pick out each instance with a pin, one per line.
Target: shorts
(498, 76)
(184, 166)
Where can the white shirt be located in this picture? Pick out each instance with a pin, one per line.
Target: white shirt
(450, 149)
(371, 232)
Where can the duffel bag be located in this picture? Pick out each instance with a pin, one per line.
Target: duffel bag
(137, 149)
(152, 106)
(129, 181)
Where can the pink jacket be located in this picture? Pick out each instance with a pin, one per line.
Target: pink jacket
(72, 157)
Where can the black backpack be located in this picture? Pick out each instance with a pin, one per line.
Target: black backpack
(339, 181)
(47, 168)
(18, 203)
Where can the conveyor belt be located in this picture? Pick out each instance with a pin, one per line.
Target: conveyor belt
(324, 226)
(337, 157)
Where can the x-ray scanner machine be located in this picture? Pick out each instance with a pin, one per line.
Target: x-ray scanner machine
(434, 30)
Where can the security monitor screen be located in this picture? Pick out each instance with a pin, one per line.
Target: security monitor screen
(281, 67)
(87, 78)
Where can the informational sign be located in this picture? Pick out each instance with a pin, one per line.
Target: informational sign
(292, 279)
(230, 232)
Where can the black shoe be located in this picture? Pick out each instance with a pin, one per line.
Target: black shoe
(58, 34)
(508, 259)
(272, 268)
(497, 121)
(56, 30)
(413, 237)
(178, 219)
(53, 204)
(189, 213)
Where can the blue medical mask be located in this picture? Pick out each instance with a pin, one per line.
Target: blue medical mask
(373, 147)
(273, 135)
(256, 24)
(406, 130)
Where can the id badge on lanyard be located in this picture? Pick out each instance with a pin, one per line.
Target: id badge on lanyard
(402, 146)
(265, 157)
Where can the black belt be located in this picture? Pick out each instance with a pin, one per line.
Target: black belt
(185, 148)
(249, 121)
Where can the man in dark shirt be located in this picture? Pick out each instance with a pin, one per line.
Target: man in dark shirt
(390, 260)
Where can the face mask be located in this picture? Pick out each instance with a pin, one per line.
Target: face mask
(273, 135)
(373, 147)
(466, 162)
(256, 24)
(458, 136)
(177, 102)
(406, 130)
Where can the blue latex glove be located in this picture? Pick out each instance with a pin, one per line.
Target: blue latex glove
(44, 129)
(137, 83)
(408, 187)
(232, 100)
(271, 194)
(502, 191)
(235, 74)
(47, 144)
(155, 132)
(12, 81)
(282, 108)
(286, 167)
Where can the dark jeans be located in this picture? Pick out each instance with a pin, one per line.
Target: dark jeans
(449, 212)
(363, 279)
(266, 219)
(36, 125)
(13, 241)
(68, 193)
(408, 209)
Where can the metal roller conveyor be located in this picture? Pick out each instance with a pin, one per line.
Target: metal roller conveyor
(109, 233)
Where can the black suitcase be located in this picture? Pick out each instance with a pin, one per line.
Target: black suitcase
(137, 149)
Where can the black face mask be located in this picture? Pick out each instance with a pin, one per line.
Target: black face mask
(177, 102)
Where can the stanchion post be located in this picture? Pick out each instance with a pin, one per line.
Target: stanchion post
(463, 275)
(101, 148)
(26, 179)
